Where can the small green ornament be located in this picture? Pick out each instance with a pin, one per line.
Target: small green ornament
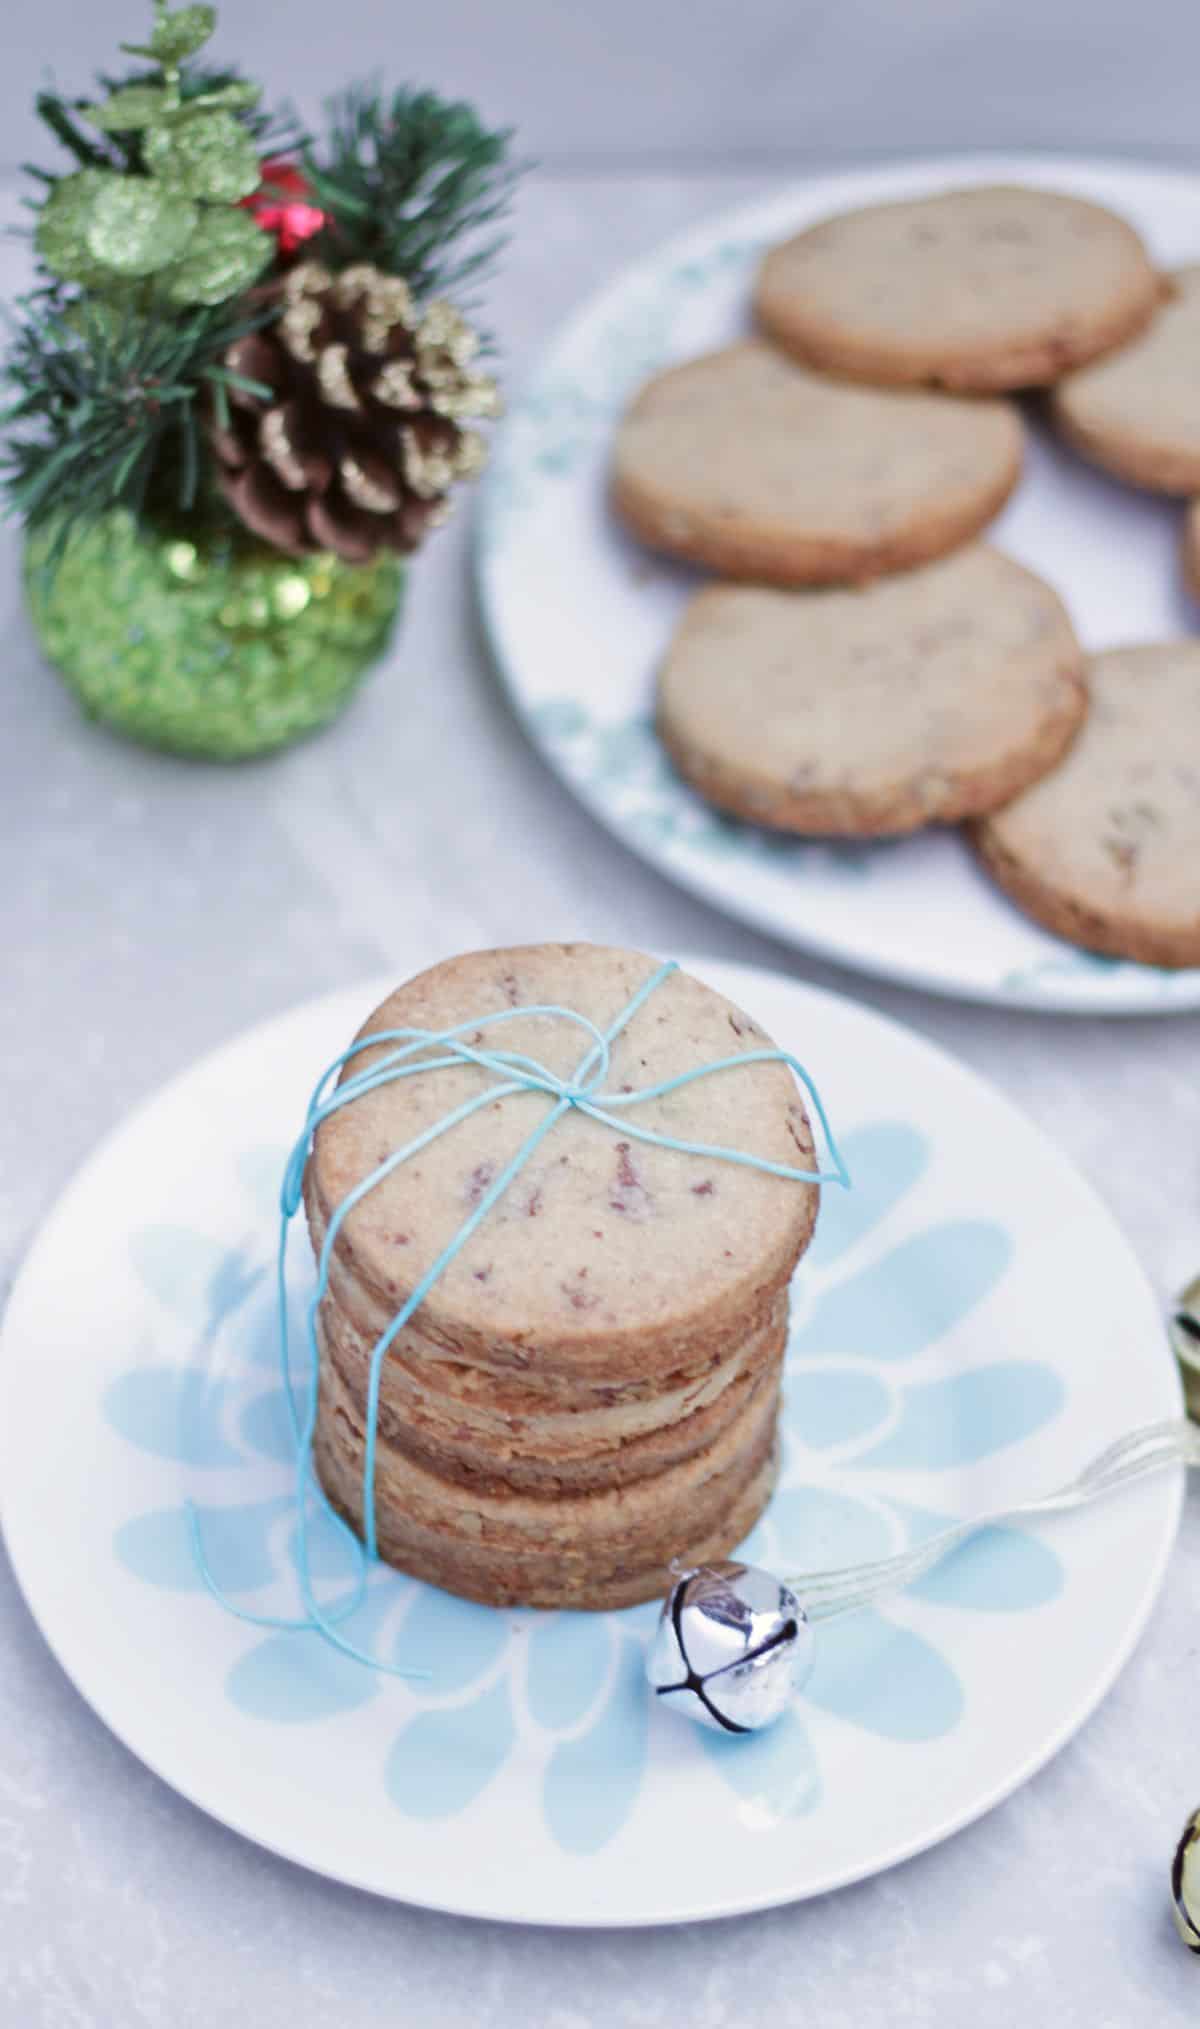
(61, 233)
(129, 110)
(209, 157)
(226, 253)
(198, 639)
(136, 227)
(105, 227)
(233, 98)
(174, 37)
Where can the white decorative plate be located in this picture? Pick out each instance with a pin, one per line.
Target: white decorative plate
(579, 615)
(969, 1326)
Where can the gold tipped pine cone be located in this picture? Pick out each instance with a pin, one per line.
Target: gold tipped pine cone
(361, 438)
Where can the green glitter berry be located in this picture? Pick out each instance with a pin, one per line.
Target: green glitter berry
(202, 640)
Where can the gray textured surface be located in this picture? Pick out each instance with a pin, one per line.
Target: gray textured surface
(696, 81)
(151, 909)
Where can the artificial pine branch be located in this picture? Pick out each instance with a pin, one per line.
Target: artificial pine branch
(109, 407)
(90, 151)
(276, 132)
(153, 247)
(409, 184)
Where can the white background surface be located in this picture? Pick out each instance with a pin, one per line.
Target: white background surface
(701, 82)
(152, 908)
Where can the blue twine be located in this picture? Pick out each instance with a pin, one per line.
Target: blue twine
(582, 1092)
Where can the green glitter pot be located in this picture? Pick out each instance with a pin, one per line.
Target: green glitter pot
(202, 640)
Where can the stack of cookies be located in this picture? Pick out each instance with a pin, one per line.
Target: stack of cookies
(591, 1387)
(869, 667)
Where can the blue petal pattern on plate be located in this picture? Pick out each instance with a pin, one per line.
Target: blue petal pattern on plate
(175, 1412)
(192, 1274)
(885, 1161)
(456, 1640)
(592, 1783)
(898, 1306)
(1002, 1570)
(267, 1427)
(260, 1334)
(775, 1773)
(568, 1686)
(442, 1759)
(568, 1663)
(818, 1527)
(158, 1546)
(329, 1552)
(968, 1416)
(296, 1678)
(831, 1405)
(884, 1678)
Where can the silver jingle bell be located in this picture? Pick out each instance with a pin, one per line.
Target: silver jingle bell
(732, 1647)
(1185, 1341)
(1185, 1884)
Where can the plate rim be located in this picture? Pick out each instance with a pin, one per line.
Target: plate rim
(726, 975)
(691, 874)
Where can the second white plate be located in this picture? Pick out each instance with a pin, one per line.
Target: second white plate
(579, 616)
(970, 1327)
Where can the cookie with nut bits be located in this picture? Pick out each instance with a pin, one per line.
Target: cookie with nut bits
(1137, 413)
(922, 699)
(749, 463)
(1105, 851)
(979, 289)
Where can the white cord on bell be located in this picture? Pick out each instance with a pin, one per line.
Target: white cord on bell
(734, 1643)
(1153, 1449)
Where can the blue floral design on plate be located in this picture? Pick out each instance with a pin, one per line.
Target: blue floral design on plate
(566, 1688)
(621, 763)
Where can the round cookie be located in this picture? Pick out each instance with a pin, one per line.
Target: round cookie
(614, 1546)
(1138, 413)
(922, 699)
(607, 1257)
(477, 1426)
(999, 287)
(759, 468)
(1106, 850)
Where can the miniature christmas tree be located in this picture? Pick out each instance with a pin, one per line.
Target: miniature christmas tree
(236, 344)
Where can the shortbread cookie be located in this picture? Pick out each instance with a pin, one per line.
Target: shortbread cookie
(1106, 850)
(1000, 287)
(593, 1550)
(591, 1386)
(1137, 413)
(759, 468)
(607, 1256)
(501, 1435)
(922, 699)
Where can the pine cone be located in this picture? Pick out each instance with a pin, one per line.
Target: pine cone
(358, 444)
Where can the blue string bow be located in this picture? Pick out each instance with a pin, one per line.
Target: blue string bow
(583, 1093)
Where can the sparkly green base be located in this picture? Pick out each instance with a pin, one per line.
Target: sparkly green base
(204, 641)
